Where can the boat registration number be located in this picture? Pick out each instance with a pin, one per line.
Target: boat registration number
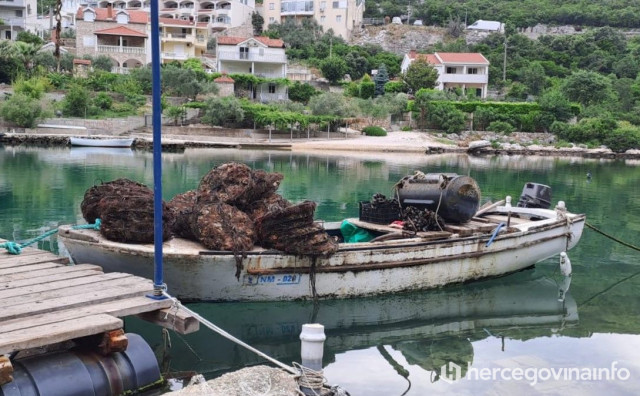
(281, 279)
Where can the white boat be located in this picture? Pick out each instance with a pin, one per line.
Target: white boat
(88, 142)
(426, 260)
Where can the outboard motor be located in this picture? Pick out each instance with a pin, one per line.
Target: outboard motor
(456, 198)
(535, 195)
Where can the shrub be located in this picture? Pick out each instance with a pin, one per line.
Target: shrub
(406, 128)
(222, 111)
(76, 101)
(103, 101)
(501, 127)
(623, 138)
(374, 131)
(34, 87)
(395, 87)
(447, 117)
(560, 129)
(367, 87)
(302, 92)
(22, 110)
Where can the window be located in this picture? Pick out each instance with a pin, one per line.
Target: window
(336, 4)
(244, 52)
(272, 19)
(323, 5)
(271, 7)
(338, 18)
(19, 13)
(479, 92)
(472, 70)
(322, 19)
(451, 70)
(261, 51)
(272, 88)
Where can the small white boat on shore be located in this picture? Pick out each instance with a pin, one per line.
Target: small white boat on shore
(89, 142)
(501, 240)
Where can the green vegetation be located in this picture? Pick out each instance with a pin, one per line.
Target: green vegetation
(374, 131)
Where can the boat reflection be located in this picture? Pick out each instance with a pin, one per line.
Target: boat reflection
(429, 328)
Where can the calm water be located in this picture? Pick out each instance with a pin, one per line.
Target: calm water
(395, 345)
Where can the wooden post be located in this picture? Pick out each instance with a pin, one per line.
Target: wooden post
(6, 370)
(113, 341)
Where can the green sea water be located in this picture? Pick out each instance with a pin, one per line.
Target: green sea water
(492, 330)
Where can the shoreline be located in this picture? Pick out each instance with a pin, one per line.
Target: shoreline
(394, 142)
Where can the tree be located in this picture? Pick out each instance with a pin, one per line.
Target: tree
(534, 77)
(333, 68)
(102, 62)
(76, 101)
(420, 74)
(587, 88)
(28, 37)
(22, 110)
(257, 21)
(330, 103)
(222, 111)
(176, 113)
(381, 79)
(302, 92)
(357, 65)
(367, 87)
(555, 103)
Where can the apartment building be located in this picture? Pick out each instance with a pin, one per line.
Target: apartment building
(343, 16)
(124, 36)
(17, 16)
(214, 15)
(468, 71)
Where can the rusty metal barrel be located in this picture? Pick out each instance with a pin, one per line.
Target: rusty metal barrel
(455, 198)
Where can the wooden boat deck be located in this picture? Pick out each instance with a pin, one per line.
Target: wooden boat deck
(46, 301)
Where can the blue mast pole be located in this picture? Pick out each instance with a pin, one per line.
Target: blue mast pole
(158, 284)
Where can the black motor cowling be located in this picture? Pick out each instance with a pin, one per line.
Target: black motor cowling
(535, 195)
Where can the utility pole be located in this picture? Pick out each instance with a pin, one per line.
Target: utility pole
(504, 61)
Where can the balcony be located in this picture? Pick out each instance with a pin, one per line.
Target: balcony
(465, 78)
(184, 37)
(121, 50)
(175, 56)
(13, 4)
(296, 8)
(271, 97)
(252, 57)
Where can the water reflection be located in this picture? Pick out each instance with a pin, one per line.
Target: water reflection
(429, 329)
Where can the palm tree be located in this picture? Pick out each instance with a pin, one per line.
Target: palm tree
(25, 52)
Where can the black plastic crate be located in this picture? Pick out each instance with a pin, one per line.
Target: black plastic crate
(379, 214)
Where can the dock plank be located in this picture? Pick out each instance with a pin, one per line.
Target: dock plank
(141, 287)
(57, 332)
(118, 308)
(45, 273)
(36, 293)
(43, 280)
(21, 260)
(28, 268)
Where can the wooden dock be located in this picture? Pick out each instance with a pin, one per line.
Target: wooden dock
(46, 301)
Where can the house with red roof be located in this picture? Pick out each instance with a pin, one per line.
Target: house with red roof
(465, 70)
(259, 56)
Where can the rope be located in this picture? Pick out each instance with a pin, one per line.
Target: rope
(613, 238)
(229, 336)
(16, 248)
(308, 378)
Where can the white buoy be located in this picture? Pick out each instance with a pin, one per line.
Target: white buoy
(311, 351)
(508, 201)
(565, 264)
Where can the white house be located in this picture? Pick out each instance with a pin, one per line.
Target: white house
(487, 26)
(468, 71)
(260, 56)
(18, 16)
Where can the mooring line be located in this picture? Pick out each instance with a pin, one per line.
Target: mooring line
(229, 336)
(612, 237)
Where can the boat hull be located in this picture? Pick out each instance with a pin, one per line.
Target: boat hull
(84, 142)
(359, 269)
